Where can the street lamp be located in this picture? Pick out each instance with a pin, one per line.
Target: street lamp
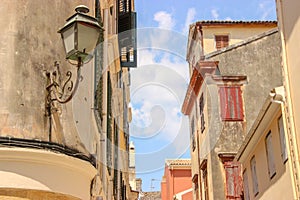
(80, 36)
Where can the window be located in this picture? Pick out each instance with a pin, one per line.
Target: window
(192, 134)
(246, 186)
(270, 155)
(231, 103)
(196, 186)
(284, 154)
(221, 41)
(254, 176)
(201, 106)
(233, 187)
(203, 167)
(109, 129)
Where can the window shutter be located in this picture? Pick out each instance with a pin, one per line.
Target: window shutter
(223, 102)
(270, 155)
(246, 186)
(127, 34)
(221, 41)
(254, 176)
(233, 180)
(284, 154)
(109, 125)
(231, 103)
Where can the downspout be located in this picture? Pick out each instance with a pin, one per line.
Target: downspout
(292, 137)
(104, 111)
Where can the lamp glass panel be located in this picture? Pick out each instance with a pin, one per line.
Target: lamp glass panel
(87, 37)
(68, 39)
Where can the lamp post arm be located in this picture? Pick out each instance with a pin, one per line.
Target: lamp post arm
(78, 75)
(57, 91)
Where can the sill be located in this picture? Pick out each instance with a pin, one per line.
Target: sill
(231, 119)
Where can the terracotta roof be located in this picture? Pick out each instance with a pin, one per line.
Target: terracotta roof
(217, 22)
(178, 162)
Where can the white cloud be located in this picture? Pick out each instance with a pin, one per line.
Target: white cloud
(215, 14)
(157, 92)
(266, 8)
(228, 19)
(158, 87)
(164, 19)
(189, 19)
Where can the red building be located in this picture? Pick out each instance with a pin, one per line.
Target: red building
(177, 180)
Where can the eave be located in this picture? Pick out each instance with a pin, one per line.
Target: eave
(199, 72)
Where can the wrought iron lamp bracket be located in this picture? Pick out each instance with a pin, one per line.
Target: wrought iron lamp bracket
(58, 90)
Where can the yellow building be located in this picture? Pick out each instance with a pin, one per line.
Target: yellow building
(289, 27)
(215, 35)
(52, 146)
(264, 154)
(224, 96)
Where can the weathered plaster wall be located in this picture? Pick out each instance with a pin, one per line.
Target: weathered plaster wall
(29, 46)
(260, 61)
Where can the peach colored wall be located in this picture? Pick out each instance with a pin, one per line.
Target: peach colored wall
(163, 190)
(187, 196)
(177, 180)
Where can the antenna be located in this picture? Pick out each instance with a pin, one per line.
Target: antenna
(151, 186)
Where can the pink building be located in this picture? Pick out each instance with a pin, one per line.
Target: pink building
(176, 183)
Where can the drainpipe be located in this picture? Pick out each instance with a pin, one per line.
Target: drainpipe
(104, 111)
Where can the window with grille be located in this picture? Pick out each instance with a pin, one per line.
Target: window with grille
(270, 155)
(201, 106)
(221, 41)
(231, 103)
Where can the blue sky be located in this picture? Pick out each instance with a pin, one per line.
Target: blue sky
(158, 85)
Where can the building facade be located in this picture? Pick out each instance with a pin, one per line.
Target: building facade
(64, 152)
(176, 182)
(289, 27)
(223, 99)
(264, 154)
(215, 35)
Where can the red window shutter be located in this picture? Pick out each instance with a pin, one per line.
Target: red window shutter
(223, 102)
(231, 103)
(221, 41)
(233, 173)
